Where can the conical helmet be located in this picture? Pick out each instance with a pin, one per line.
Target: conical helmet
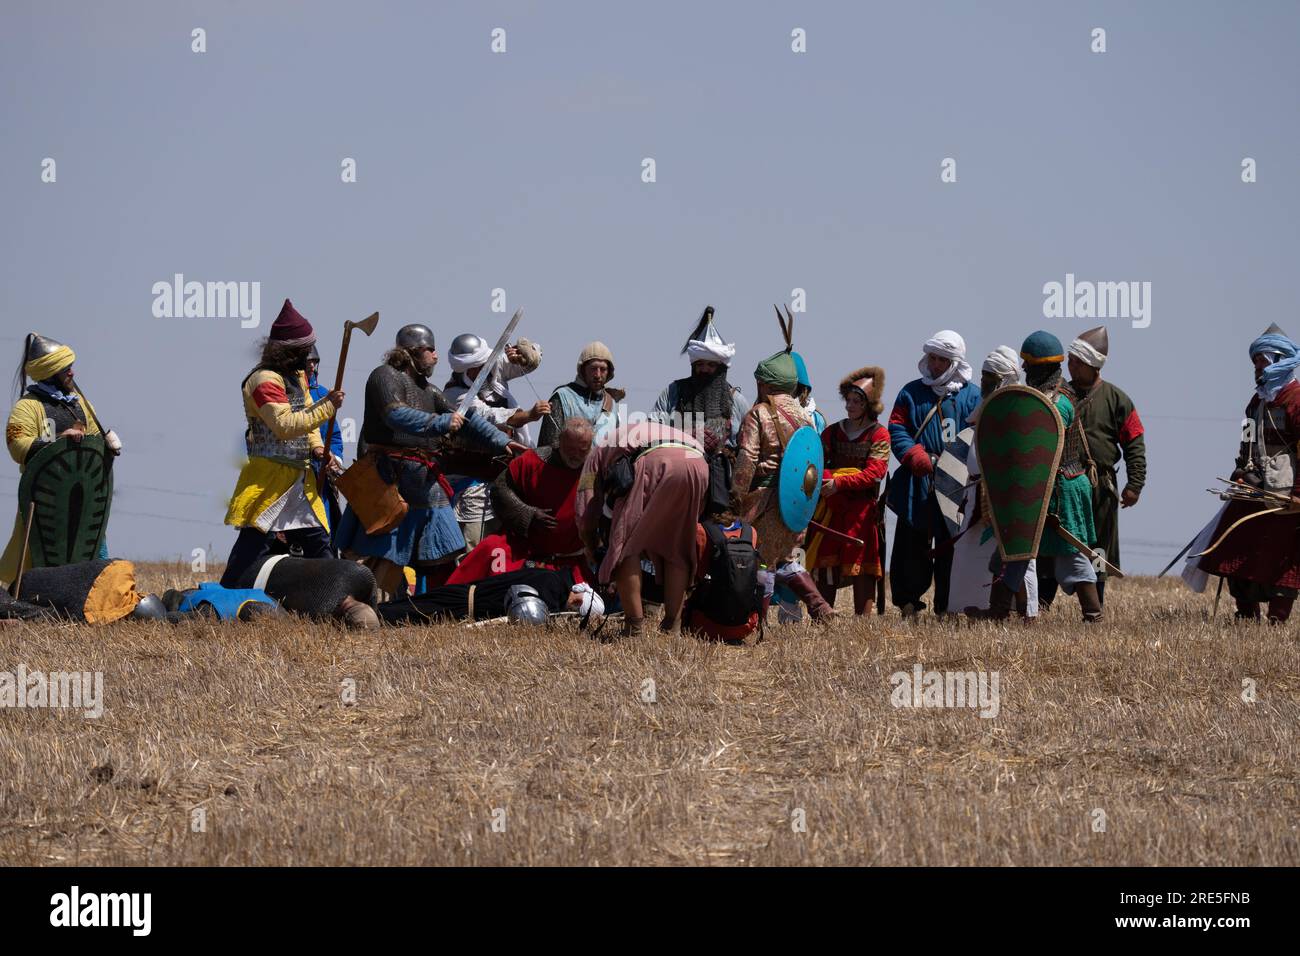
(1097, 338)
(43, 357)
(38, 346)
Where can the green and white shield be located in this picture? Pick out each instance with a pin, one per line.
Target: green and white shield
(70, 483)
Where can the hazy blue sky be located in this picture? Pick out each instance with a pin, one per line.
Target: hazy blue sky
(522, 170)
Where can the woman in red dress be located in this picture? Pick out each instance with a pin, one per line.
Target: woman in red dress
(856, 454)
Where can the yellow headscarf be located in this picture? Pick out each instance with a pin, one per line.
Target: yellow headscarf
(52, 363)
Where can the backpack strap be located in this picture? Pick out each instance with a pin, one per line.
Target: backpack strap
(717, 538)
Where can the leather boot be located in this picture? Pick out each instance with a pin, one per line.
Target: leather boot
(1089, 601)
(1001, 600)
(1279, 609)
(805, 589)
(634, 627)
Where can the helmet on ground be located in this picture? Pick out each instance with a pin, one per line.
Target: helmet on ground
(150, 608)
(525, 606)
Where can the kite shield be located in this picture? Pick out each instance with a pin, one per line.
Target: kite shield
(799, 482)
(1019, 438)
(71, 485)
(950, 478)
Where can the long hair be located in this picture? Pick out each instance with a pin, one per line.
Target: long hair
(285, 359)
(400, 359)
(20, 377)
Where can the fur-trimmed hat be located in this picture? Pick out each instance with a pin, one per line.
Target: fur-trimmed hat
(870, 381)
(596, 351)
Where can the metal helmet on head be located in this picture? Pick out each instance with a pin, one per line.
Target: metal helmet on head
(415, 336)
(39, 346)
(467, 343)
(525, 606)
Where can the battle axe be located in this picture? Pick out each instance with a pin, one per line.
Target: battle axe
(366, 325)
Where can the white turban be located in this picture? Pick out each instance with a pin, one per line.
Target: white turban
(946, 344)
(1086, 354)
(592, 603)
(710, 349)
(467, 360)
(1004, 363)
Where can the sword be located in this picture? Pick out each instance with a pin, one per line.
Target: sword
(489, 366)
(1054, 523)
(818, 526)
(1179, 555)
(112, 452)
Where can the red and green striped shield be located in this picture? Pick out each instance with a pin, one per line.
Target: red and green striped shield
(1018, 438)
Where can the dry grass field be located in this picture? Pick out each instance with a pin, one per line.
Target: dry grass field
(504, 746)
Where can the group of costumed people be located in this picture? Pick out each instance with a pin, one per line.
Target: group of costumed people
(462, 508)
(954, 547)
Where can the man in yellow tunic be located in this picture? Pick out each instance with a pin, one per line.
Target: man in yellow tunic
(276, 495)
(49, 408)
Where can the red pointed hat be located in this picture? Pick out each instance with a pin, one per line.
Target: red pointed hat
(291, 327)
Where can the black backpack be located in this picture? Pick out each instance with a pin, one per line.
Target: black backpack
(731, 594)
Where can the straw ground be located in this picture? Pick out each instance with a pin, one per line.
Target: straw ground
(1128, 743)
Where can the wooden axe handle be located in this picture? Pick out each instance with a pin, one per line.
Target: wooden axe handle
(338, 384)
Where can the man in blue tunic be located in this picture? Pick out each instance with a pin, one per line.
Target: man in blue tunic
(928, 412)
(588, 397)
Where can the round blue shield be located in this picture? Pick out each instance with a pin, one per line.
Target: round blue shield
(799, 482)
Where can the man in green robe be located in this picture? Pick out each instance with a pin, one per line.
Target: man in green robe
(1114, 431)
(1071, 502)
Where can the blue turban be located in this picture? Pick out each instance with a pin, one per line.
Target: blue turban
(801, 370)
(1282, 370)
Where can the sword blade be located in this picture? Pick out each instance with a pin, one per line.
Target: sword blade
(490, 365)
(1179, 555)
(1055, 523)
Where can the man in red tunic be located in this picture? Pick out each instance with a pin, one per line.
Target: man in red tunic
(534, 500)
(856, 454)
(1260, 556)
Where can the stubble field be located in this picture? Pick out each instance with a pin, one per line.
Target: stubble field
(1125, 744)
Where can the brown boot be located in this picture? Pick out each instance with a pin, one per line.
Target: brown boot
(634, 627)
(805, 589)
(1089, 601)
(673, 627)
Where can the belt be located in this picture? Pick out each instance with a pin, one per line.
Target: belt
(420, 457)
(666, 443)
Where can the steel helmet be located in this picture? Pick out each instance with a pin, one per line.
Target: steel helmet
(415, 337)
(525, 606)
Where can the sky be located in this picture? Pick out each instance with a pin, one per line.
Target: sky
(522, 170)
